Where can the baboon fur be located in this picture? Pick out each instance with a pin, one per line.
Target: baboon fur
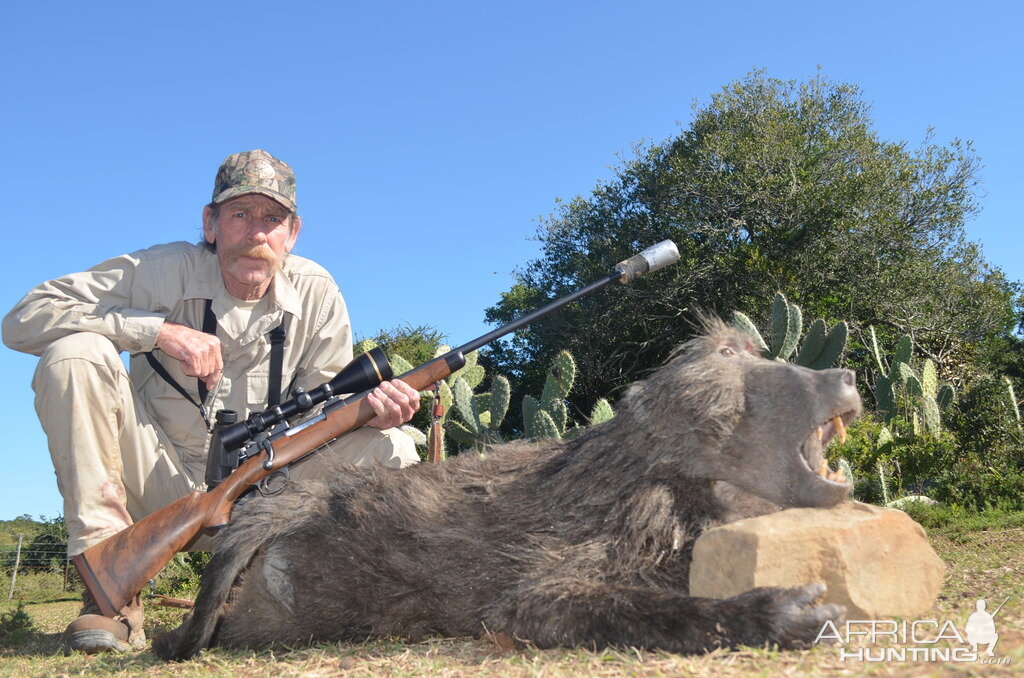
(584, 542)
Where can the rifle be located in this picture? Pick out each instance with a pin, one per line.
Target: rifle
(245, 453)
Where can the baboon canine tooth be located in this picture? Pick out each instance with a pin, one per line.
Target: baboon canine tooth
(821, 434)
(837, 423)
(823, 470)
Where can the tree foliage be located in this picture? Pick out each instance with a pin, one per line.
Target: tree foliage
(774, 186)
(415, 344)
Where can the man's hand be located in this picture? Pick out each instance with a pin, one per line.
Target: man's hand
(198, 352)
(394, 402)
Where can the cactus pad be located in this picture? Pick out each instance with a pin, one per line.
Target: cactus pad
(741, 322)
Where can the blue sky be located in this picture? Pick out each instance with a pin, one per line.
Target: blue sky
(428, 138)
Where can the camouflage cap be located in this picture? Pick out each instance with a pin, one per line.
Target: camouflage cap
(255, 172)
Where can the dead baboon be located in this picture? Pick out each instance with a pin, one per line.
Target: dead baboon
(582, 542)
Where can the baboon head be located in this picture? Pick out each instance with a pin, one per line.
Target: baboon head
(719, 410)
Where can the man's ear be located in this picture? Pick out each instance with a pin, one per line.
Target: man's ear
(294, 234)
(209, 225)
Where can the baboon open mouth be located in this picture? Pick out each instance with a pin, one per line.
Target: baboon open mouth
(813, 449)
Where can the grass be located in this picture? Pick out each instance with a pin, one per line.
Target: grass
(985, 559)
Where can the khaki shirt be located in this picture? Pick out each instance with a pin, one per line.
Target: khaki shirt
(127, 299)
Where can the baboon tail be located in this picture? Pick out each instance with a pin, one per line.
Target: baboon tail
(197, 630)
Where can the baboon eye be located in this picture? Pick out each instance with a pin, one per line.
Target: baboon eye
(727, 351)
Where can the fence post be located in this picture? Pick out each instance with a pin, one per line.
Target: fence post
(14, 572)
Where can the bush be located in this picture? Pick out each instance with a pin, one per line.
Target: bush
(15, 625)
(180, 577)
(986, 425)
(938, 466)
(861, 452)
(988, 466)
(953, 519)
(42, 585)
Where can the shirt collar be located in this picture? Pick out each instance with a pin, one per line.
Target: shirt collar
(207, 283)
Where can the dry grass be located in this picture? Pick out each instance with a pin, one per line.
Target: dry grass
(985, 564)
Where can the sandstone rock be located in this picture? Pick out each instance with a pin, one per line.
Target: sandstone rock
(875, 561)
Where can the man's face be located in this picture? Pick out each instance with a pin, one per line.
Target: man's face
(253, 234)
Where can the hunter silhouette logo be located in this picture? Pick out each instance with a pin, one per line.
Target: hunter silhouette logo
(981, 627)
(927, 640)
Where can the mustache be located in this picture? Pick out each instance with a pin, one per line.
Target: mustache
(253, 251)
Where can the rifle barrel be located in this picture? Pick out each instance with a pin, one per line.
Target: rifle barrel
(533, 315)
(649, 260)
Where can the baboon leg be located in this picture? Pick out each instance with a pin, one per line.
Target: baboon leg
(598, 614)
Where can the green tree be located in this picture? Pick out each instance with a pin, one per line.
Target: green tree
(774, 186)
(49, 546)
(415, 344)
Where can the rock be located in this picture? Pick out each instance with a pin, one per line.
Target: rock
(875, 561)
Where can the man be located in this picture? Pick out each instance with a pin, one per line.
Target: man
(200, 322)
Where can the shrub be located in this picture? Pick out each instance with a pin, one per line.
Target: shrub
(15, 625)
(180, 577)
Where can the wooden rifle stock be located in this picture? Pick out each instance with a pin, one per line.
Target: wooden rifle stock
(116, 569)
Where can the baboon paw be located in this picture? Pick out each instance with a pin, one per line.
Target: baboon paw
(796, 620)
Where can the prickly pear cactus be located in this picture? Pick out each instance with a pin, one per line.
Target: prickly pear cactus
(929, 399)
(361, 347)
(474, 419)
(1013, 402)
(471, 375)
(559, 380)
(480, 414)
(885, 397)
(548, 417)
(743, 323)
(819, 349)
(602, 412)
(946, 395)
(543, 426)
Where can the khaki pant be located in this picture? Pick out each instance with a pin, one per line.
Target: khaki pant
(115, 465)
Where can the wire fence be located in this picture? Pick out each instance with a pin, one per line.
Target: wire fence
(39, 566)
(36, 568)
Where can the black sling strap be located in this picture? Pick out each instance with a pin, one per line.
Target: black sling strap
(277, 338)
(209, 327)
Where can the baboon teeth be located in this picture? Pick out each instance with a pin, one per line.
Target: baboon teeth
(837, 476)
(820, 432)
(837, 423)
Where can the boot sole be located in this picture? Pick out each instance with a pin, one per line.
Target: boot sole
(93, 641)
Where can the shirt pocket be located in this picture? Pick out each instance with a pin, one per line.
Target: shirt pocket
(256, 383)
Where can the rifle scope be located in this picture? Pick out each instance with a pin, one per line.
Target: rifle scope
(364, 372)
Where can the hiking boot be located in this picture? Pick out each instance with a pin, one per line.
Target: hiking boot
(92, 632)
